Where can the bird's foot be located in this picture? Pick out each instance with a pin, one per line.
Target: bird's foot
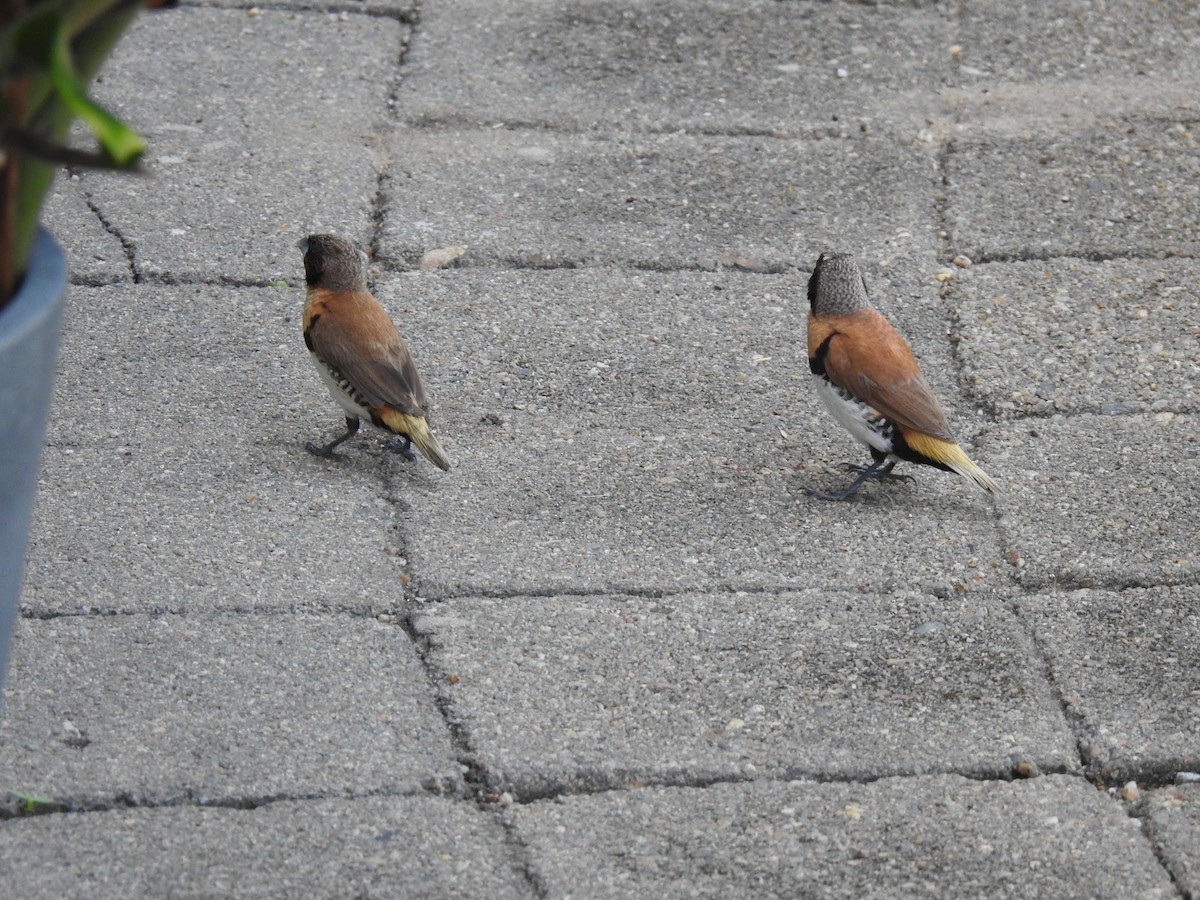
(885, 474)
(879, 469)
(325, 452)
(402, 444)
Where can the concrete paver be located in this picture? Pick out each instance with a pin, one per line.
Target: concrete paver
(704, 67)
(95, 254)
(1128, 666)
(225, 708)
(656, 432)
(1127, 188)
(423, 847)
(1060, 41)
(1173, 822)
(617, 691)
(547, 199)
(204, 497)
(898, 837)
(1098, 500)
(1072, 336)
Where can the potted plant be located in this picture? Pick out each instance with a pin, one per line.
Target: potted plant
(49, 51)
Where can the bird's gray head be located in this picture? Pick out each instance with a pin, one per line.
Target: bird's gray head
(333, 263)
(837, 286)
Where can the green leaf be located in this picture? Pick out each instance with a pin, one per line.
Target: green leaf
(43, 44)
(31, 802)
(121, 143)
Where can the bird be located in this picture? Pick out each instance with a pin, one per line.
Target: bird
(868, 377)
(360, 354)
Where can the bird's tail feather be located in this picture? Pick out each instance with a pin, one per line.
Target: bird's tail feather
(417, 429)
(953, 457)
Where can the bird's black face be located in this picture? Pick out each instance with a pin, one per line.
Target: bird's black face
(813, 280)
(330, 262)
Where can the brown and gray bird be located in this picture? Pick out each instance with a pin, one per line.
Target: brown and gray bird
(359, 354)
(869, 379)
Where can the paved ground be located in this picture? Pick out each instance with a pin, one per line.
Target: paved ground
(617, 651)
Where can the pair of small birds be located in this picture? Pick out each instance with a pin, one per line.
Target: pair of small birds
(865, 371)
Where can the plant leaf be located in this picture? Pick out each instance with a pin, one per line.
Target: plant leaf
(43, 44)
(120, 142)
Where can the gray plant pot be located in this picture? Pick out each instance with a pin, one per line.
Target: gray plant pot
(29, 328)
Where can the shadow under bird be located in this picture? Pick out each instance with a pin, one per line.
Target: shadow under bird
(867, 376)
(359, 354)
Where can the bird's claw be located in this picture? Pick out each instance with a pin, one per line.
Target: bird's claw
(323, 452)
(886, 475)
(403, 446)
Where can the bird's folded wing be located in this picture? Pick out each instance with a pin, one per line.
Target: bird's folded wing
(378, 365)
(885, 375)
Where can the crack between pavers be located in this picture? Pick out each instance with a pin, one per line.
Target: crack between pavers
(1046, 255)
(450, 123)
(1068, 582)
(127, 246)
(630, 781)
(431, 786)
(333, 8)
(436, 786)
(47, 615)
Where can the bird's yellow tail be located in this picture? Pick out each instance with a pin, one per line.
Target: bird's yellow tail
(418, 432)
(952, 456)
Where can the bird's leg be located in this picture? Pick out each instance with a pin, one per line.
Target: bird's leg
(871, 471)
(884, 474)
(327, 450)
(402, 444)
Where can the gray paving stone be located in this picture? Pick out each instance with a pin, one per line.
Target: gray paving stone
(378, 846)
(1062, 40)
(1069, 335)
(246, 157)
(756, 67)
(582, 694)
(175, 476)
(646, 431)
(1127, 188)
(223, 708)
(1128, 665)
(661, 201)
(1174, 825)
(1099, 500)
(940, 836)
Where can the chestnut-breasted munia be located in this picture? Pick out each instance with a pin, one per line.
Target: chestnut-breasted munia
(868, 377)
(358, 352)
